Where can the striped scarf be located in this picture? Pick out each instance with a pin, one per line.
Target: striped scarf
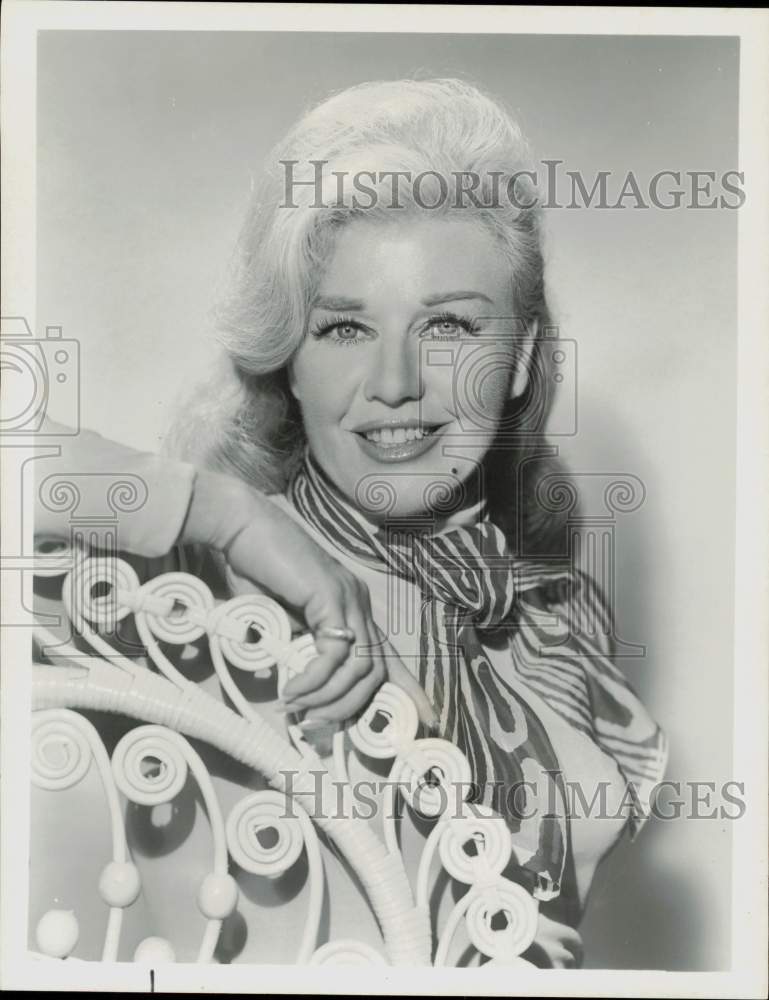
(469, 583)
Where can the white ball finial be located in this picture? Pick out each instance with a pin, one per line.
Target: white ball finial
(154, 951)
(119, 884)
(57, 933)
(217, 896)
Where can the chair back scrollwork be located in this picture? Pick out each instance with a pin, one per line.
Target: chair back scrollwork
(266, 832)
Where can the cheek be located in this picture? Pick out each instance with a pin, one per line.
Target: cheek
(481, 386)
(493, 391)
(319, 380)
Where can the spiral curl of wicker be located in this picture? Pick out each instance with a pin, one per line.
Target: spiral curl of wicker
(178, 608)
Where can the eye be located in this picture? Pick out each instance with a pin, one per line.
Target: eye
(345, 331)
(341, 330)
(448, 326)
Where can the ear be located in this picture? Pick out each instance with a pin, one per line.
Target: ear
(522, 365)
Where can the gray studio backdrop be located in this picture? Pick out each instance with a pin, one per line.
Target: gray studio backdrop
(147, 145)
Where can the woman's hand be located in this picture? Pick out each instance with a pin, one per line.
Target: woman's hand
(556, 946)
(266, 547)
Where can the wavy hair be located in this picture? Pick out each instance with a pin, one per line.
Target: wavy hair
(245, 421)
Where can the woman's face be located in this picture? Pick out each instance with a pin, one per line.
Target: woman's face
(407, 363)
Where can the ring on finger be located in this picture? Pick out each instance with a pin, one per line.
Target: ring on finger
(335, 632)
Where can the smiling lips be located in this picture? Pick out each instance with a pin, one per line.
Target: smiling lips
(397, 442)
(397, 435)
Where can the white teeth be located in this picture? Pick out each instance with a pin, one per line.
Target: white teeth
(396, 435)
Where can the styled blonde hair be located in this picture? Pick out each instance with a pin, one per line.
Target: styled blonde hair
(245, 420)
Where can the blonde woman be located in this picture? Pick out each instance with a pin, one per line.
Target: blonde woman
(369, 454)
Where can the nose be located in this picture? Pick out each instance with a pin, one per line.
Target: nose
(394, 376)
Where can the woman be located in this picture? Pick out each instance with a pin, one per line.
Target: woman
(383, 384)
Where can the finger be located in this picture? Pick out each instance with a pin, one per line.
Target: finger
(355, 695)
(326, 608)
(314, 676)
(549, 955)
(574, 945)
(561, 958)
(339, 683)
(332, 653)
(555, 937)
(358, 664)
(347, 706)
(557, 931)
(399, 674)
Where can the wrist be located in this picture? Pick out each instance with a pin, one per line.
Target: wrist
(220, 507)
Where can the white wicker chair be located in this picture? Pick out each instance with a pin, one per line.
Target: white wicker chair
(179, 608)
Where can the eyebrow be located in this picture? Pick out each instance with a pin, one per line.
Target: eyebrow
(338, 303)
(437, 300)
(341, 304)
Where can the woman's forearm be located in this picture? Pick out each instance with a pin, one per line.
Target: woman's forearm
(262, 545)
(89, 461)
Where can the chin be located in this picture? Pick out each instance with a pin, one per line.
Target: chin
(416, 493)
(436, 484)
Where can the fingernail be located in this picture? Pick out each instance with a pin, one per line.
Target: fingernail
(311, 723)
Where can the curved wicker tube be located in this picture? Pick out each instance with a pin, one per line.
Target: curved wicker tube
(151, 698)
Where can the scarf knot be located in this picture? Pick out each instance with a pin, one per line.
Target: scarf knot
(467, 568)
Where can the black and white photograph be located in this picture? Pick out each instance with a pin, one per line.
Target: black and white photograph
(384, 440)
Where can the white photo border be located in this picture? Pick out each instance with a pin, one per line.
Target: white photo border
(748, 977)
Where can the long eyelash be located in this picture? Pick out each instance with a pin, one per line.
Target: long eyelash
(327, 325)
(469, 325)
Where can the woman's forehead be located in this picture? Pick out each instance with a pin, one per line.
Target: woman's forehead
(415, 253)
